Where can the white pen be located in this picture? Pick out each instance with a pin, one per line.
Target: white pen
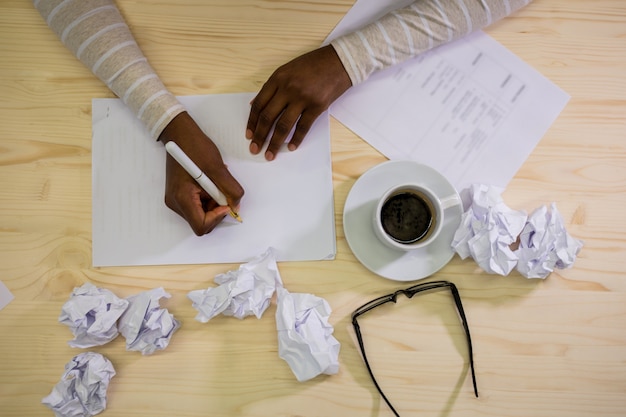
(200, 177)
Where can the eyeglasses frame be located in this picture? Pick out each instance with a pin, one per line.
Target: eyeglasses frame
(409, 293)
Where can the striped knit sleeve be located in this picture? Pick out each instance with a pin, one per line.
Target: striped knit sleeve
(96, 33)
(415, 29)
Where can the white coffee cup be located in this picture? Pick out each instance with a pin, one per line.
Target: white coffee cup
(410, 216)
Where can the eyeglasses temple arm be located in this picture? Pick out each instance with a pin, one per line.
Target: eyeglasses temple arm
(459, 307)
(357, 330)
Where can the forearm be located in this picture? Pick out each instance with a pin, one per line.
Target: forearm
(98, 36)
(417, 28)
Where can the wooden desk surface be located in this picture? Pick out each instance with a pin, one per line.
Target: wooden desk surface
(554, 347)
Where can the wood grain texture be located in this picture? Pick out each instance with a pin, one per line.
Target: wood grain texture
(554, 347)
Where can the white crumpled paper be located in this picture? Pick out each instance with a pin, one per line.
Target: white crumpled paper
(305, 338)
(304, 334)
(488, 227)
(146, 326)
(240, 293)
(91, 313)
(545, 244)
(82, 390)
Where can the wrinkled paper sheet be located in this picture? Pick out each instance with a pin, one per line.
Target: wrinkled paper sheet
(91, 313)
(305, 336)
(146, 326)
(489, 227)
(545, 244)
(82, 390)
(241, 293)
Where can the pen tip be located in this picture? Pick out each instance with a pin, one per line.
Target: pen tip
(236, 216)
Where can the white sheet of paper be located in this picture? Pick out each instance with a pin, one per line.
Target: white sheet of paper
(5, 295)
(470, 109)
(288, 203)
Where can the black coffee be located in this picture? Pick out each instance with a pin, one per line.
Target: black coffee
(406, 217)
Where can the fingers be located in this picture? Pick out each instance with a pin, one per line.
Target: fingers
(282, 127)
(293, 97)
(302, 128)
(184, 196)
(200, 210)
(256, 106)
(197, 208)
(229, 186)
(212, 218)
(283, 119)
(262, 116)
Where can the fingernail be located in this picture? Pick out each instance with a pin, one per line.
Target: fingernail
(248, 134)
(254, 148)
(269, 156)
(292, 147)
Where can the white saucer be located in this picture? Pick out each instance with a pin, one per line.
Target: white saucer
(358, 216)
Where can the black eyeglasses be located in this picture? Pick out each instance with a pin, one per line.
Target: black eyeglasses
(409, 293)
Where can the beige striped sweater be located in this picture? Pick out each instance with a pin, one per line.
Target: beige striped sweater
(415, 29)
(96, 33)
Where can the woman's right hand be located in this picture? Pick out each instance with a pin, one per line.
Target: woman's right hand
(182, 193)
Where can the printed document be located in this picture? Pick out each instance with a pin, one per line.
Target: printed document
(470, 109)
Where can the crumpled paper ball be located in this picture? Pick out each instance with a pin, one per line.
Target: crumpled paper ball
(91, 313)
(82, 390)
(305, 337)
(545, 244)
(240, 293)
(146, 326)
(488, 228)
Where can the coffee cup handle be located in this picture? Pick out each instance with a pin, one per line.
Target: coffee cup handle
(450, 201)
